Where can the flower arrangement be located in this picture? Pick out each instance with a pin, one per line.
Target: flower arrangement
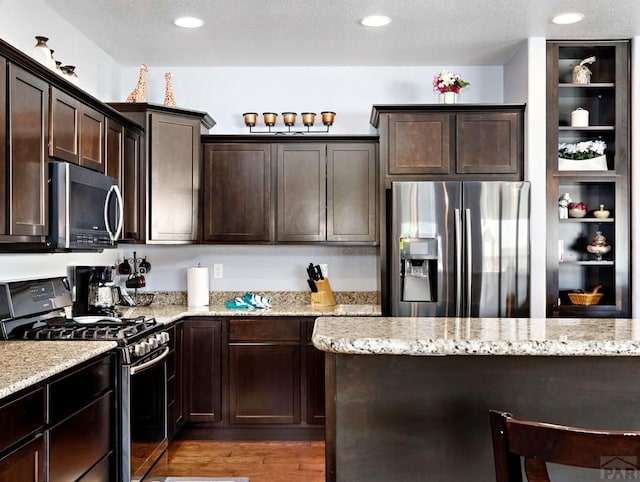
(447, 81)
(581, 150)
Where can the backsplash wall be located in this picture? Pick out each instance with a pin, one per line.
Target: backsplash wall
(258, 268)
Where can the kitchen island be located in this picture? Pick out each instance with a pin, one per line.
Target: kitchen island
(408, 398)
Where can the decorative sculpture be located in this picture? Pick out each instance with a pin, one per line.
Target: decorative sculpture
(139, 94)
(169, 100)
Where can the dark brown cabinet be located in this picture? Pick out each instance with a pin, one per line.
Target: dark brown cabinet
(314, 359)
(326, 192)
(22, 436)
(122, 162)
(26, 463)
(77, 132)
(264, 371)
(171, 163)
(237, 187)
(203, 367)
(175, 377)
(78, 400)
(455, 141)
(75, 413)
(570, 265)
(26, 196)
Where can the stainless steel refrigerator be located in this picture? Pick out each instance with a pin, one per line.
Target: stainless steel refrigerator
(460, 249)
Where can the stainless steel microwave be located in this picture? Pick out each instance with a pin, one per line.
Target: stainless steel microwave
(86, 208)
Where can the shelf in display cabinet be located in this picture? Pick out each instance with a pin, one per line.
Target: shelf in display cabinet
(587, 220)
(592, 85)
(588, 128)
(588, 263)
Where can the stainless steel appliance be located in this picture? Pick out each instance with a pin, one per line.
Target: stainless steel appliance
(86, 208)
(459, 249)
(36, 310)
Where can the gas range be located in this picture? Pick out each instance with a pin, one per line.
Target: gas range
(35, 310)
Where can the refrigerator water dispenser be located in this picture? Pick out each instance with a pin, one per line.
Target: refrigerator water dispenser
(418, 269)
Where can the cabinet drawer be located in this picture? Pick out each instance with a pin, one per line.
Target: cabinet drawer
(78, 389)
(21, 417)
(264, 330)
(82, 440)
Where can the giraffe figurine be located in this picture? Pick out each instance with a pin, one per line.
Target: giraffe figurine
(139, 94)
(169, 100)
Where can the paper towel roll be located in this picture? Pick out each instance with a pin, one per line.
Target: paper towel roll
(198, 286)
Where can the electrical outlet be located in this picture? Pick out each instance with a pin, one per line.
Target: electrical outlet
(217, 271)
(325, 270)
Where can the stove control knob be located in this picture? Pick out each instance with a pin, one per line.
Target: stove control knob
(152, 342)
(139, 349)
(160, 338)
(165, 337)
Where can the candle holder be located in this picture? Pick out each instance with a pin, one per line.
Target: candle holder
(289, 120)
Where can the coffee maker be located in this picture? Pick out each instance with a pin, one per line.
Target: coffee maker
(95, 292)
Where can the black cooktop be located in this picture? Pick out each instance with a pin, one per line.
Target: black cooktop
(125, 331)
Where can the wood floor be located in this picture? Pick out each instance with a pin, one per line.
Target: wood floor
(259, 461)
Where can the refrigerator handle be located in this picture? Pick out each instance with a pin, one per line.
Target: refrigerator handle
(469, 259)
(458, 247)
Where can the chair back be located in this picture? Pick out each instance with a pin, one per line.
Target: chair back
(616, 453)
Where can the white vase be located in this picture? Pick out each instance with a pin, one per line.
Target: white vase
(448, 98)
(42, 53)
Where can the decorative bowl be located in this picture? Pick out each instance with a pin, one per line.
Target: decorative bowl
(601, 213)
(577, 213)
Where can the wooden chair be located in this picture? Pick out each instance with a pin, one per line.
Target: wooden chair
(616, 453)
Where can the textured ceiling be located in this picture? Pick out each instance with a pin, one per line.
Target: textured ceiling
(327, 32)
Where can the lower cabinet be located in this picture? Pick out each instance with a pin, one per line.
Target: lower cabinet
(82, 421)
(264, 370)
(75, 412)
(25, 462)
(202, 365)
(253, 373)
(175, 372)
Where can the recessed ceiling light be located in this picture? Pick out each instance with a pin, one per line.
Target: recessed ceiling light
(375, 21)
(188, 22)
(567, 18)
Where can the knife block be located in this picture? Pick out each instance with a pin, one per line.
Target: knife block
(324, 296)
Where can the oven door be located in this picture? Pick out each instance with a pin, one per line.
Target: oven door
(144, 414)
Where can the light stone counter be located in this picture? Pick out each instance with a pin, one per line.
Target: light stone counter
(477, 336)
(171, 313)
(25, 363)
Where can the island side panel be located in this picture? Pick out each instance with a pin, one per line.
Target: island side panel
(422, 418)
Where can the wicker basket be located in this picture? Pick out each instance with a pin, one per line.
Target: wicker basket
(586, 299)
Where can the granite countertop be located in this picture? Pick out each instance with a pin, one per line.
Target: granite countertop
(25, 363)
(171, 313)
(477, 336)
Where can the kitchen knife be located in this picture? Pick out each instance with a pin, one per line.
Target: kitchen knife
(312, 285)
(319, 272)
(312, 273)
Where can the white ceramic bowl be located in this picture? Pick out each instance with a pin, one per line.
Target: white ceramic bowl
(577, 213)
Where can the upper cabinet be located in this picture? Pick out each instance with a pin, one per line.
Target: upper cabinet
(25, 197)
(43, 117)
(591, 105)
(77, 132)
(275, 189)
(238, 179)
(472, 141)
(326, 192)
(171, 163)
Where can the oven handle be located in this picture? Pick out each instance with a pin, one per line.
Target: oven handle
(150, 363)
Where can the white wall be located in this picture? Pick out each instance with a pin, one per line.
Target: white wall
(22, 266)
(525, 81)
(21, 21)
(259, 268)
(227, 92)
